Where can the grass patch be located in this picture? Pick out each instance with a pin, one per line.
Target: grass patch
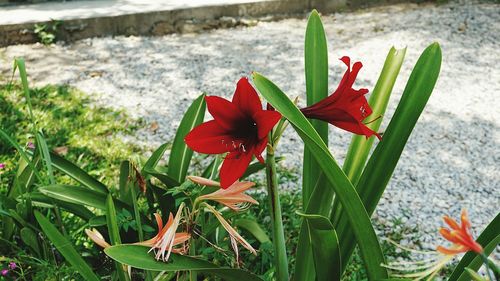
(87, 135)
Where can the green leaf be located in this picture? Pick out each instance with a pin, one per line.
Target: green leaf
(165, 179)
(473, 275)
(382, 163)
(77, 174)
(253, 228)
(316, 69)
(181, 154)
(379, 98)
(114, 234)
(155, 157)
(97, 221)
(489, 239)
(210, 172)
(65, 248)
(325, 244)
(138, 257)
(76, 209)
(124, 182)
(358, 218)
(45, 153)
(78, 195)
(29, 238)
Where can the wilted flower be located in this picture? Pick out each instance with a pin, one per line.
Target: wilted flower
(240, 127)
(2, 166)
(97, 237)
(163, 243)
(233, 197)
(233, 234)
(346, 108)
(4, 272)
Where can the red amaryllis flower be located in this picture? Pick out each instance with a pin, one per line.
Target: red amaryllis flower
(240, 127)
(346, 108)
(460, 236)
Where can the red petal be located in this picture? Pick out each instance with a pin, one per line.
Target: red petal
(265, 120)
(209, 138)
(224, 112)
(246, 98)
(233, 168)
(259, 148)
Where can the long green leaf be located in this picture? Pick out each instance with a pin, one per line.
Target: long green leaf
(316, 71)
(138, 257)
(114, 233)
(76, 209)
(77, 174)
(78, 195)
(489, 239)
(124, 185)
(155, 157)
(382, 163)
(65, 248)
(181, 154)
(323, 238)
(360, 146)
(359, 219)
(254, 228)
(45, 153)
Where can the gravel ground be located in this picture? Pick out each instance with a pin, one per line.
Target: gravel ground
(451, 160)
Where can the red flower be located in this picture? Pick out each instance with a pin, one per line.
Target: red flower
(346, 108)
(240, 127)
(460, 236)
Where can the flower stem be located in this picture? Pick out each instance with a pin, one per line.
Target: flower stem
(487, 266)
(280, 258)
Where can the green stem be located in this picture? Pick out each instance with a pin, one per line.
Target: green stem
(193, 275)
(280, 258)
(487, 266)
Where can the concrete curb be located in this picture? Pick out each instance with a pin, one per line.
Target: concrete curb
(168, 21)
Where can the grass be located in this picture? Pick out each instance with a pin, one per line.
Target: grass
(84, 134)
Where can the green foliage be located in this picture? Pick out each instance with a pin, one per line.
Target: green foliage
(47, 32)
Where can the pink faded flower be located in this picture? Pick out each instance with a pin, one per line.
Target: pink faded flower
(4, 272)
(2, 166)
(168, 237)
(97, 237)
(233, 234)
(30, 145)
(233, 197)
(12, 265)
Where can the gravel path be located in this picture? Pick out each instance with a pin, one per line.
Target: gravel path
(451, 160)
